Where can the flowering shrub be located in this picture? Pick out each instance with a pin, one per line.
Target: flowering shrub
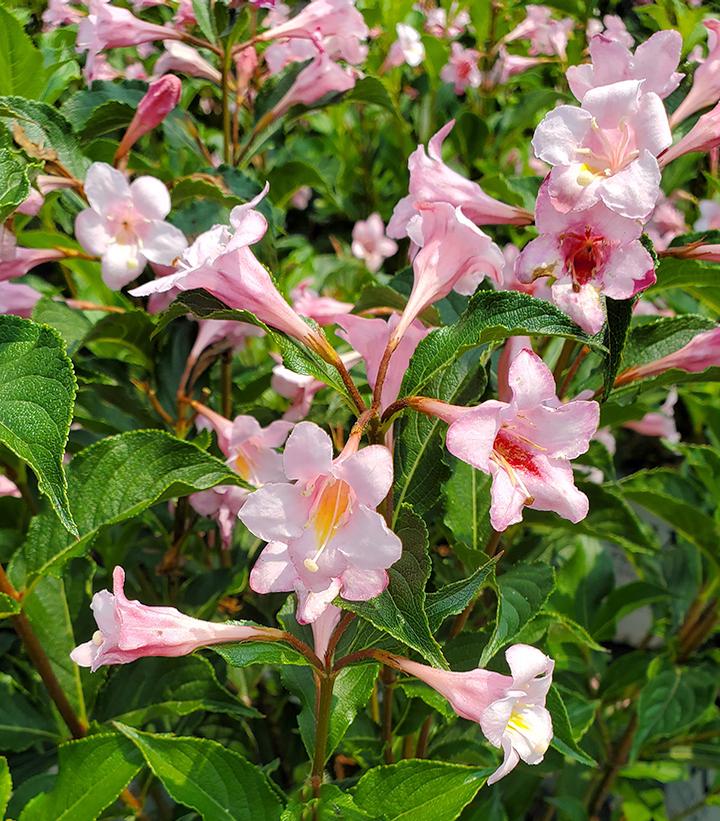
(332, 489)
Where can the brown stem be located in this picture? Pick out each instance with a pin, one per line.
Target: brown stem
(227, 384)
(198, 41)
(611, 771)
(154, 401)
(423, 738)
(82, 305)
(397, 406)
(563, 359)
(388, 680)
(350, 385)
(572, 370)
(342, 625)
(382, 373)
(699, 633)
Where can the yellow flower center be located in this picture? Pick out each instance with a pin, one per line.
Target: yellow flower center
(331, 505)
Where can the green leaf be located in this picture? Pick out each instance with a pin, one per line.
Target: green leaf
(107, 106)
(205, 20)
(204, 187)
(285, 180)
(331, 805)
(205, 776)
(371, 90)
(5, 785)
(467, 505)
(21, 725)
(72, 325)
(48, 131)
(37, 394)
(453, 598)
(14, 180)
(126, 337)
(563, 739)
(491, 316)
(675, 272)
(427, 790)
(660, 337)
(400, 609)
(246, 653)
(113, 480)
(8, 606)
(522, 592)
(619, 314)
(622, 601)
(93, 772)
(154, 688)
(21, 69)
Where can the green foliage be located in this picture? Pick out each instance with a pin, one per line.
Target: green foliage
(19, 70)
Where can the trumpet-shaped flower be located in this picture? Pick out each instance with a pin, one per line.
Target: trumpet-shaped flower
(325, 538)
(320, 77)
(8, 487)
(160, 99)
(370, 243)
(16, 261)
(612, 28)
(666, 223)
(322, 629)
(125, 225)
(705, 89)
(660, 423)
(323, 309)
(703, 136)
(184, 59)
(18, 299)
(525, 444)
(321, 18)
(431, 180)
(509, 709)
(128, 630)
(587, 253)
(655, 62)
(709, 218)
(408, 48)
(462, 69)
(450, 23)
(546, 35)
(605, 150)
(700, 353)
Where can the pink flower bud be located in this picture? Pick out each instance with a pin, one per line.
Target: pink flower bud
(702, 352)
(322, 76)
(703, 136)
(32, 203)
(696, 250)
(705, 89)
(129, 630)
(160, 99)
(18, 299)
(184, 59)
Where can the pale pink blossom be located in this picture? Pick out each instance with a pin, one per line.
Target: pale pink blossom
(185, 14)
(125, 224)
(98, 67)
(431, 180)
(539, 288)
(408, 48)
(605, 150)
(666, 223)
(280, 13)
(703, 136)
(325, 538)
(222, 504)
(321, 77)
(128, 630)
(301, 198)
(282, 53)
(325, 310)
(50, 182)
(185, 59)
(612, 28)
(16, 261)
(135, 71)
(18, 299)
(31, 204)
(443, 23)
(546, 35)
(588, 254)
(370, 337)
(655, 62)
(509, 709)
(454, 255)
(370, 243)
(161, 97)
(660, 423)
(525, 444)
(709, 219)
(321, 18)
(705, 90)
(701, 353)
(323, 628)
(224, 334)
(60, 13)
(8, 487)
(508, 65)
(221, 262)
(462, 69)
(708, 252)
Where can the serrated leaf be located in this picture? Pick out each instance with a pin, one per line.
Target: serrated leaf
(400, 609)
(105, 107)
(411, 789)
(21, 69)
(246, 653)
(205, 19)
(332, 804)
(453, 598)
(37, 394)
(467, 505)
(371, 90)
(125, 336)
(522, 592)
(285, 180)
(93, 772)
(563, 740)
(8, 606)
(205, 776)
(619, 314)
(113, 480)
(72, 325)
(5, 785)
(21, 723)
(491, 316)
(676, 272)
(14, 180)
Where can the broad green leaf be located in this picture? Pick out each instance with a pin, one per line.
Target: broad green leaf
(8, 606)
(107, 106)
(467, 505)
(14, 180)
(155, 688)
(113, 480)
(205, 776)
(204, 187)
(46, 132)
(331, 805)
(400, 609)
(371, 90)
(411, 789)
(660, 337)
(21, 69)
(563, 739)
(202, 10)
(453, 598)
(491, 316)
(383, 296)
(675, 272)
(93, 772)
(619, 314)
(5, 785)
(124, 336)
(72, 325)
(246, 653)
(285, 180)
(622, 601)
(522, 592)
(21, 723)
(37, 393)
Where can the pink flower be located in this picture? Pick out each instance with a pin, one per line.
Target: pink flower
(509, 709)
(369, 337)
(700, 353)
(128, 630)
(321, 18)
(431, 180)
(666, 223)
(370, 243)
(538, 288)
(605, 150)
(49, 182)
(508, 65)
(135, 71)
(708, 252)
(660, 423)
(125, 225)
(323, 309)
(185, 60)
(32, 203)
(454, 255)
(462, 69)
(655, 61)
(221, 503)
(408, 48)
(16, 261)
(221, 262)
(8, 487)
(185, 14)
(60, 13)
(301, 198)
(703, 136)
(612, 28)
(705, 89)
(322, 76)
(282, 53)
(588, 253)
(547, 36)
(300, 388)
(525, 444)
(18, 299)
(442, 23)
(709, 219)
(159, 100)
(324, 537)
(225, 334)
(323, 628)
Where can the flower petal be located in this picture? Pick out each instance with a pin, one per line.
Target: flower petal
(121, 264)
(91, 230)
(369, 472)
(530, 380)
(308, 452)
(510, 761)
(367, 542)
(273, 571)
(363, 585)
(150, 198)
(105, 187)
(471, 437)
(276, 512)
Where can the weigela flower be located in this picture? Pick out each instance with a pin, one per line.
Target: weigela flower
(322, 76)
(16, 261)
(125, 225)
(408, 48)
(705, 89)
(546, 35)
(701, 353)
(666, 223)
(369, 242)
(431, 180)
(225, 334)
(159, 100)
(450, 23)
(185, 59)
(325, 538)
(612, 28)
(32, 204)
(588, 254)
(525, 444)
(509, 709)
(655, 62)
(703, 136)
(709, 218)
(322, 629)
(60, 13)
(321, 18)
(128, 630)
(462, 69)
(660, 423)
(323, 309)
(8, 487)
(18, 299)
(605, 150)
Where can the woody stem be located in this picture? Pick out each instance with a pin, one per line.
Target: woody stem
(324, 690)
(382, 373)
(227, 121)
